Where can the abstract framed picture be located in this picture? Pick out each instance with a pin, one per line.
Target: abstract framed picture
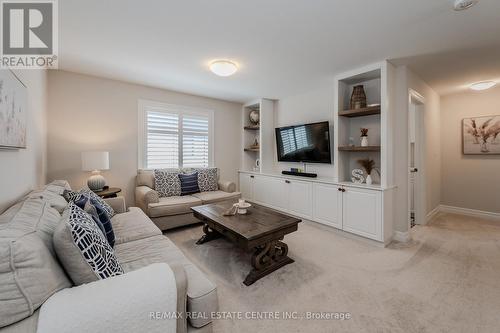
(13, 111)
(481, 135)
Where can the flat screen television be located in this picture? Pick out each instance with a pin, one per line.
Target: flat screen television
(308, 143)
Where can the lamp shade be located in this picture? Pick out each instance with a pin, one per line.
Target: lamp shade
(95, 160)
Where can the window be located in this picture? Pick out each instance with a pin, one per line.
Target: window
(172, 136)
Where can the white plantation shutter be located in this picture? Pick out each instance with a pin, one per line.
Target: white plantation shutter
(195, 144)
(173, 136)
(162, 140)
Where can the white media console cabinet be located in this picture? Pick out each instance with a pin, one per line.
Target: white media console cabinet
(359, 209)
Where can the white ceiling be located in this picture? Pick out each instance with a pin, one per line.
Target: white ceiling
(454, 71)
(284, 47)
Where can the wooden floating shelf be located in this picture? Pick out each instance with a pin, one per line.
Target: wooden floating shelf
(360, 112)
(351, 148)
(252, 128)
(252, 149)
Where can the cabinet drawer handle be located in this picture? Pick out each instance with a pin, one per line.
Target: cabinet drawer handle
(343, 190)
(340, 189)
(287, 181)
(252, 176)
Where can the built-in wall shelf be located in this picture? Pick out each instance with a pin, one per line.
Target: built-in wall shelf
(252, 149)
(252, 128)
(360, 112)
(358, 148)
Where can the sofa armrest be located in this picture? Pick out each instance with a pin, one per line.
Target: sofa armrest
(145, 195)
(117, 203)
(138, 301)
(227, 186)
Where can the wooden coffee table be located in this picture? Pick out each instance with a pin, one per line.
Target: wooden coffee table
(261, 230)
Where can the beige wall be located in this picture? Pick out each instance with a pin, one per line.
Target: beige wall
(406, 80)
(309, 107)
(91, 113)
(24, 169)
(469, 181)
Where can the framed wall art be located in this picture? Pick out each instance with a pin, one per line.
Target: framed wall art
(481, 135)
(13, 111)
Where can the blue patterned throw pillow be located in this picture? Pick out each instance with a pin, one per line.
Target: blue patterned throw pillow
(72, 196)
(189, 183)
(207, 179)
(100, 216)
(167, 182)
(83, 249)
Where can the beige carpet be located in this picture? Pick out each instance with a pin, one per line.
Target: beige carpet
(446, 280)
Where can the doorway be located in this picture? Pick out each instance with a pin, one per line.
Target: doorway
(416, 166)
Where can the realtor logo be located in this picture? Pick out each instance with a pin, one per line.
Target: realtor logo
(29, 34)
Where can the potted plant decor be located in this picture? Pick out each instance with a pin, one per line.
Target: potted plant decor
(369, 165)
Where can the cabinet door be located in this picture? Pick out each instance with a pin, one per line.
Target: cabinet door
(246, 186)
(299, 198)
(271, 192)
(362, 212)
(327, 205)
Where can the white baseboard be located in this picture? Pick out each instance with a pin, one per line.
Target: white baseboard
(402, 237)
(432, 214)
(469, 212)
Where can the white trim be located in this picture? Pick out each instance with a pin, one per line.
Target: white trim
(432, 214)
(469, 212)
(420, 202)
(400, 236)
(181, 110)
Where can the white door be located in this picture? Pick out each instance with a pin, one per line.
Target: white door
(362, 212)
(271, 192)
(327, 205)
(246, 186)
(299, 198)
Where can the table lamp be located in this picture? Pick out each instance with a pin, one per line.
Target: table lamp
(95, 161)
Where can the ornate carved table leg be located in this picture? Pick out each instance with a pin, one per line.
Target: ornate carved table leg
(266, 259)
(208, 236)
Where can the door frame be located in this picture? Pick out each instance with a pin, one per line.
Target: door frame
(417, 100)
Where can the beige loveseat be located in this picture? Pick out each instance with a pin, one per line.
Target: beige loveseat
(175, 211)
(29, 303)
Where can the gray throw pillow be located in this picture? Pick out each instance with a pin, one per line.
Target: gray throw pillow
(29, 274)
(167, 182)
(207, 179)
(83, 249)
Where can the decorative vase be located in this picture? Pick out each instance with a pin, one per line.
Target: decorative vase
(358, 97)
(96, 182)
(364, 141)
(369, 180)
(254, 117)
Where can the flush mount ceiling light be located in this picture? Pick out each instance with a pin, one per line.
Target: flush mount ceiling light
(464, 4)
(483, 85)
(223, 67)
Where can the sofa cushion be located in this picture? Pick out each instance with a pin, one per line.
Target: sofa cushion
(201, 292)
(58, 186)
(216, 196)
(83, 249)
(207, 179)
(55, 200)
(133, 225)
(173, 206)
(31, 215)
(145, 178)
(29, 274)
(167, 182)
(189, 183)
